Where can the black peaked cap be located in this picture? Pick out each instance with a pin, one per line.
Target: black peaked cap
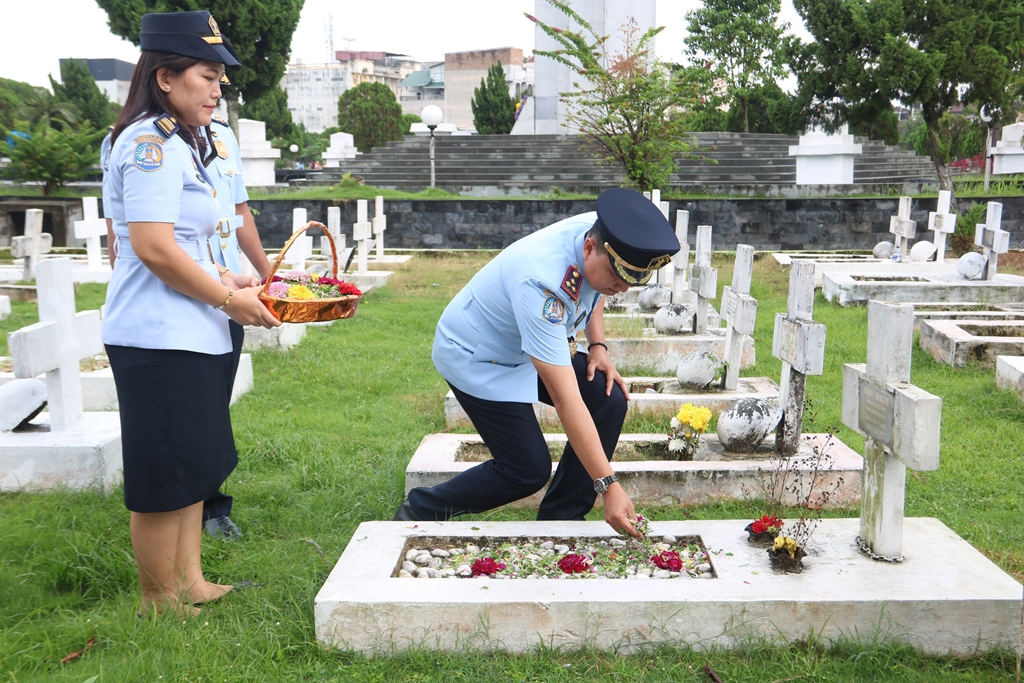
(190, 34)
(635, 228)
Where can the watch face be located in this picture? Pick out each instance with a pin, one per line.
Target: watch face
(600, 485)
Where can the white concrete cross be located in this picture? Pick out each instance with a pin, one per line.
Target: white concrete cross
(739, 310)
(799, 343)
(91, 228)
(703, 278)
(899, 421)
(681, 259)
(380, 224)
(302, 248)
(33, 244)
(904, 228)
(361, 232)
(333, 227)
(56, 343)
(941, 222)
(992, 238)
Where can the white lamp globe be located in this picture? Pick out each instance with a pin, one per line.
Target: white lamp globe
(293, 148)
(431, 115)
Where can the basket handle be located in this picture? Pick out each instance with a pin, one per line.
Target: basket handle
(288, 244)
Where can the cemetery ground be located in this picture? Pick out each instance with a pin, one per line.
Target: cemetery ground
(324, 438)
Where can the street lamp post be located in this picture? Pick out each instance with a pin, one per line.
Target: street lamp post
(987, 118)
(431, 116)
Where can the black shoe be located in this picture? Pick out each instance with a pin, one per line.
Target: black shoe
(405, 514)
(223, 528)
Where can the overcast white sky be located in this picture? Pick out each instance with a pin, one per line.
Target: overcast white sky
(424, 29)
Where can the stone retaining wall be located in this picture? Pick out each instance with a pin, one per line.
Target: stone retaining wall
(765, 224)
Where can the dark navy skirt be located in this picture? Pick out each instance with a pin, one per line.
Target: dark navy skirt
(176, 439)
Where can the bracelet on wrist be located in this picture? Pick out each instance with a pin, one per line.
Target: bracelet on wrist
(593, 344)
(221, 269)
(224, 305)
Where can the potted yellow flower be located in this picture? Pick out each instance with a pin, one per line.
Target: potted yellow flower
(689, 423)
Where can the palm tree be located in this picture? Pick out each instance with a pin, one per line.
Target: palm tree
(41, 106)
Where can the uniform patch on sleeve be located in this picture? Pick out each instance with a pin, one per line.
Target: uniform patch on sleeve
(149, 156)
(571, 282)
(553, 310)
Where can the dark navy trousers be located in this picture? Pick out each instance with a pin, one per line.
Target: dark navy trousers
(219, 505)
(521, 463)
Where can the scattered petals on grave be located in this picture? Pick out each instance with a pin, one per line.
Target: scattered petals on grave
(545, 558)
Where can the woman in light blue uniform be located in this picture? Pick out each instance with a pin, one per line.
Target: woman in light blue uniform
(165, 325)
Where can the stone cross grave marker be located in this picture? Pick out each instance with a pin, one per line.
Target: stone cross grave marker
(703, 278)
(361, 232)
(991, 237)
(33, 244)
(334, 227)
(681, 259)
(799, 343)
(899, 421)
(380, 224)
(904, 228)
(302, 248)
(739, 310)
(941, 222)
(56, 343)
(91, 228)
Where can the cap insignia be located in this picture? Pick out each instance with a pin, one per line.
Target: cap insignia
(213, 26)
(167, 124)
(571, 282)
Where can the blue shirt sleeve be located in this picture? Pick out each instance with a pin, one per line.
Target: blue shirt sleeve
(154, 175)
(240, 194)
(541, 317)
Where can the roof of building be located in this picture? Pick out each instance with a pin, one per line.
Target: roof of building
(416, 79)
(108, 69)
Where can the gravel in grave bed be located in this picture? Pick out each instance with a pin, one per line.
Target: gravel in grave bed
(665, 557)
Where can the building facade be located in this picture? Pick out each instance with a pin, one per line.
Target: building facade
(463, 72)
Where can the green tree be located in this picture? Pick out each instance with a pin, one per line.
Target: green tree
(12, 95)
(934, 53)
(765, 109)
(260, 31)
(79, 88)
(371, 113)
(407, 121)
(272, 109)
(959, 138)
(39, 106)
(51, 157)
(742, 40)
(634, 111)
(494, 110)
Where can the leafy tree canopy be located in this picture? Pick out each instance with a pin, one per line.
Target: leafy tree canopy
(79, 88)
(494, 110)
(12, 96)
(371, 113)
(52, 157)
(272, 109)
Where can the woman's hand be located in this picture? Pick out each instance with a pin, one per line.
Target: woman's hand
(245, 308)
(236, 281)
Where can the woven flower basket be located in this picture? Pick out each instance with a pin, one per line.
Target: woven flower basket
(291, 310)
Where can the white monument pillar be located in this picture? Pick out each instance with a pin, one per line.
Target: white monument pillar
(257, 154)
(824, 159)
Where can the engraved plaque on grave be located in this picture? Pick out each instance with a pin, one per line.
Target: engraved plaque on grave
(876, 409)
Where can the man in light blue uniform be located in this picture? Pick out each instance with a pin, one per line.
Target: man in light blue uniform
(508, 339)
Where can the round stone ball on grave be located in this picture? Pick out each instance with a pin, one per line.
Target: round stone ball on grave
(746, 423)
(698, 370)
(653, 297)
(20, 401)
(883, 250)
(674, 319)
(922, 251)
(971, 265)
(616, 303)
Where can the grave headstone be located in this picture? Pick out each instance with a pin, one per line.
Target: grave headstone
(33, 244)
(899, 421)
(342, 147)
(739, 310)
(942, 223)
(5, 306)
(991, 237)
(681, 259)
(334, 227)
(302, 248)
(903, 228)
(91, 228)
(57, 342)
(361, 235)
(380, 224)
(799, 343)
(20, 400)
(703, 278)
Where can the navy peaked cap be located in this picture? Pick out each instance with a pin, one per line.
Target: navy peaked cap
(190, 34)
(638, 238)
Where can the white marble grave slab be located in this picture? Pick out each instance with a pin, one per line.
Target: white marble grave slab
(660, 354)
(1010, 373)
(849, 289)
(717, 476)
(927, 601)
(958, 342)
(834, 263)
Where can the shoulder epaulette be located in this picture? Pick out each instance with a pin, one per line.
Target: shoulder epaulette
(220, 120)
(167, 124)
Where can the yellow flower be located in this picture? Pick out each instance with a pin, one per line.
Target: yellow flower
(300, 292)
(697, 418)
(786, 543)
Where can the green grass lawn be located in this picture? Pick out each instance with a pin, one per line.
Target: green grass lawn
(324, 438)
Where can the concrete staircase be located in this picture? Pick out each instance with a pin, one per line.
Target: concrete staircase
(530, 164)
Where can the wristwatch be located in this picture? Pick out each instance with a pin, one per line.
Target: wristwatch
(601, 485)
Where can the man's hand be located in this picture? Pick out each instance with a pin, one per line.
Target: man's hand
(598, 359)
(619, 512)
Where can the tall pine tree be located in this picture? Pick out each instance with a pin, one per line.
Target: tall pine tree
(372, 114)
(78, 87)
(494, 110)
(272, 109)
